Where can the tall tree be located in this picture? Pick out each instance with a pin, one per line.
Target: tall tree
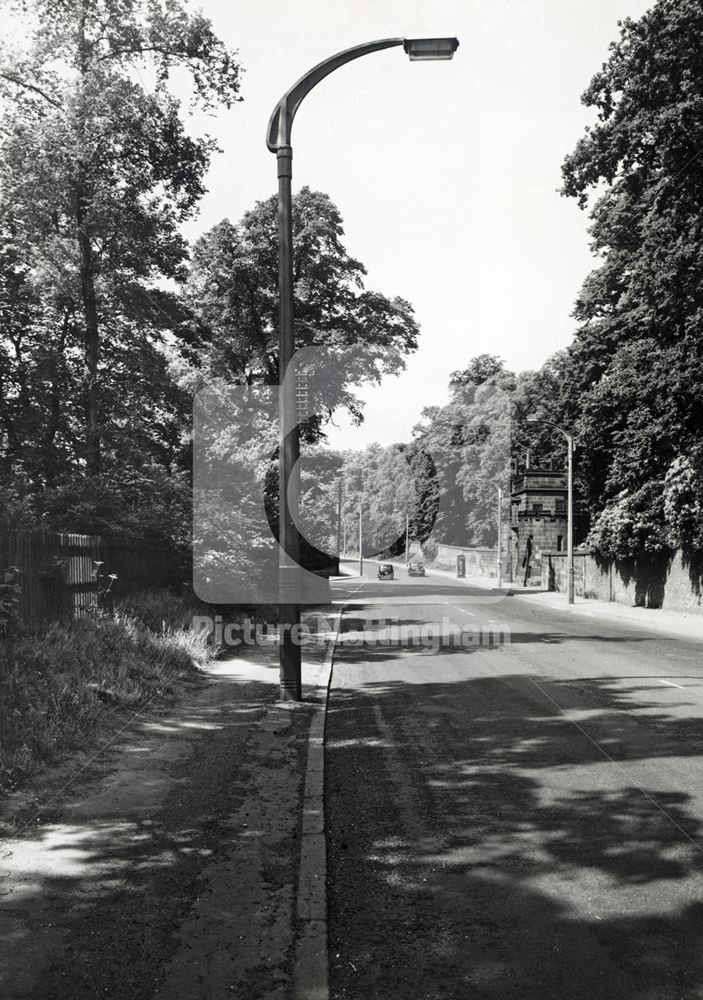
(232, 287)
(98, 174)
(379, 482)
(354, 336)
(469, 442)
(634, 368)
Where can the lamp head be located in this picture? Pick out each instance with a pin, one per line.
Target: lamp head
(430, 48)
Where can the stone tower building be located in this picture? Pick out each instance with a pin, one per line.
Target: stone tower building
(537, 509)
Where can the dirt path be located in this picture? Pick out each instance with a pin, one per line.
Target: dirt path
(168, 870)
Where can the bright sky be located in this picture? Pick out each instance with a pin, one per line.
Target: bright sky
(446, 174)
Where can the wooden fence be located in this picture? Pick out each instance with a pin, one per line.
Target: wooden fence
(61, 575)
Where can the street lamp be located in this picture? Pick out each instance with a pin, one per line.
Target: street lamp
(340, 494)
(278, 141)
(397, 514)
(569, 500)
(500, 537)
(430, 48)
(361, 542)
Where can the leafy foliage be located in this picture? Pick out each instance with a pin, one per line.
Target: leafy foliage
(683, 502)
(10, 595)
(233, 290)
(633, 373)
(378, 482)
(447, 478)
(469, 442)
(63, 686)
(346, 336)
(99, 173)
(100, 351)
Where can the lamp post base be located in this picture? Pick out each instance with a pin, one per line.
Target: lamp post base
(290, 658)
(289, 632)
(290, 690)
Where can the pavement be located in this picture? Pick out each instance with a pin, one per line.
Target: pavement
(165, 863)
(658, 619)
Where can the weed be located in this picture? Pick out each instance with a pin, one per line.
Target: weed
(60, 684)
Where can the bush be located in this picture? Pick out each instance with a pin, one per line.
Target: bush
(10, 594)
(683, 502)
(429, 551)
(59, 685)
(631, 524)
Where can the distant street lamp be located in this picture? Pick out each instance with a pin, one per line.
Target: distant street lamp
(361, 543)
(397, 514)
(569, 500)
(500, 537)
(340, 495)
(278, 141)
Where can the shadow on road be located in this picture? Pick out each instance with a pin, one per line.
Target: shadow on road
(482, 845)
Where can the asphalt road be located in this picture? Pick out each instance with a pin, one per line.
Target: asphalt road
(519, 817)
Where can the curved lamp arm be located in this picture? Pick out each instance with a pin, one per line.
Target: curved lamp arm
(281, 121)
(565, 434)
(551, 423)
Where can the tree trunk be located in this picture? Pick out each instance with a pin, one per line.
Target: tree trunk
(87, 273)
(92, 352)
(55, 407)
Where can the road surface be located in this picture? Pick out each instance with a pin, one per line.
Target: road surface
(511, 819)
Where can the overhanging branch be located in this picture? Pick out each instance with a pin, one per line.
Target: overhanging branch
(19, 82)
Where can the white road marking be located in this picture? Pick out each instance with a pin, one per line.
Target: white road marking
(457, 608)
(671, 684)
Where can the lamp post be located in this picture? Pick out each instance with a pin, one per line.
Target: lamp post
(570, 511)
(569, 499)
(500, 537)
(361, 544)
(278, 141)
(339, 520)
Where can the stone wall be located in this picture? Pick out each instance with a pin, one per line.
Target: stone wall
(672, 581)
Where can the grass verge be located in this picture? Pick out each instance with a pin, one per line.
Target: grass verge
(58, 686)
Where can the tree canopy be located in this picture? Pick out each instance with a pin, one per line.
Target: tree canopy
(632, 375)
(446, 478)
(99, 171)
(233, 290)
(346, 335)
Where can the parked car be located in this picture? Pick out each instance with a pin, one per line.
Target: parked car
(385, 571)
(416, 568)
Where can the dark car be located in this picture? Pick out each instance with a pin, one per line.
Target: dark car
(385, 571)
(416, 568)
